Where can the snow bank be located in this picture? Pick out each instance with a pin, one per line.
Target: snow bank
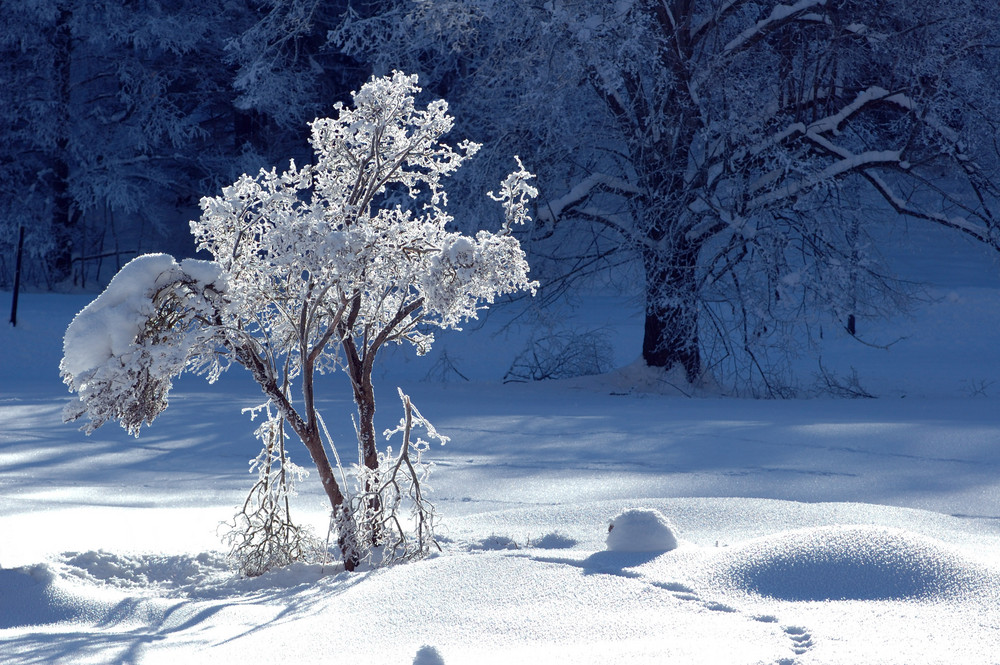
(640, 530)
(39, 595)
(853, 563)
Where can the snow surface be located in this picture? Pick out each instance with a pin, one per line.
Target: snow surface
(808, 531)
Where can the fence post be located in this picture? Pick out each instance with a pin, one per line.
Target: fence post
(17, 276)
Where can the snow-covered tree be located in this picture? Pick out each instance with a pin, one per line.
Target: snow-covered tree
(98, 99)
(285, 69)
(115, 116)
(314, 268)
(739, 150)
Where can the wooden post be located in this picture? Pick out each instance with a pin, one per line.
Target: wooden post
(17, 276)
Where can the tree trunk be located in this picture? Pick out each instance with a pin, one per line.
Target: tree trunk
(360, 372)
(341, 510)
(64, 221)
(17, 276)
(309, 434)
(364, 398)
(64, 217)
(671, 332)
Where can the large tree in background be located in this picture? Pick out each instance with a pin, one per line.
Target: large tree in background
(285, 71)
(739, 150)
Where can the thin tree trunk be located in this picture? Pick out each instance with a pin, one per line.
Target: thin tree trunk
(360, 372)
(341, 509)
(17, 276)
(309, 434)
(64, 217)
(364, 398)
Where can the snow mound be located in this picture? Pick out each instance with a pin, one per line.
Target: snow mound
(852, 563)
(554, 541)
(26, 599)
(35, 596)
(641, 530)
(165, 574)
(207, 575)
(639, 378)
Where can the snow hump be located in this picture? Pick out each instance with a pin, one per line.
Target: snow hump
(640, 530)
(851, 563)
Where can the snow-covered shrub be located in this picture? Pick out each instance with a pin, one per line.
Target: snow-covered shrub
(263, 535)
(562, 355)
(314, 269)
(390, 506)
(641, 530)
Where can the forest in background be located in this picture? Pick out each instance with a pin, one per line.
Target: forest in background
(739, 160)
(116, 118)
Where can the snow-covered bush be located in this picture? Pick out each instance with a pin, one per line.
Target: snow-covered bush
(263, 535)
(314, 269)
(562, 355)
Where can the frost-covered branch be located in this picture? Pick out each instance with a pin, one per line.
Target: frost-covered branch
(580, 192)
(779, 16)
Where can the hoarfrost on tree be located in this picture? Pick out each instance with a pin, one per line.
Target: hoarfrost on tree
(314, 268)
(720, 146)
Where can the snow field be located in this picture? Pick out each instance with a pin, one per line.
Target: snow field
(698, 603)
(808, 531)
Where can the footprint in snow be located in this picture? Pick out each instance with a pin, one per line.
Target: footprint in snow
(800, 637)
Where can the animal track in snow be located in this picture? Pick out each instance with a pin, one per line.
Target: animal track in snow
(800, 637)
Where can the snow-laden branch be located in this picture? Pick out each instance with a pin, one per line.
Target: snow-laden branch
(978, 231)
(123, 350)
(830, 123)
(552, 210)
(866, 97)
(849, 163)
(779, 15)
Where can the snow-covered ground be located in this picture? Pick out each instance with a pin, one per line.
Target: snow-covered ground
(809, 531)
